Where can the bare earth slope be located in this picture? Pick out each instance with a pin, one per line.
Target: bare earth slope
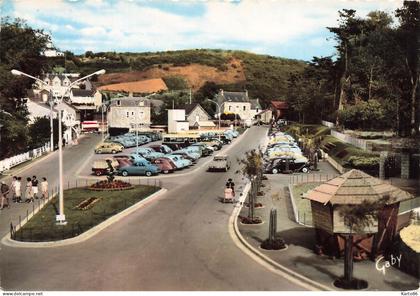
(195, 74)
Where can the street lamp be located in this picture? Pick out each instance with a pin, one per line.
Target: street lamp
(102, 125)
(219, 106)
(50, 102)
(60, 218)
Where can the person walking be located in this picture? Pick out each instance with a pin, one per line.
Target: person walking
(231, 184)
(13, 188)
(28, 192)
(44, 188)
(35, 187)
(18, 189)
(4, 190)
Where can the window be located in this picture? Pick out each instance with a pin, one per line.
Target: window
(118, 102)
(128, 114)
(230, 108)
(141, 103)
(132, 113)
(244, 108)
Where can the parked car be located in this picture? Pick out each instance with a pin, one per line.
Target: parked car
(206, 149)
(109, 148)
(220, 163)
(132, 157)
(126, 142)
(165, 165)
(187, 155)
(279, 165)
(217, 145)
(284, 148)
(139, 168)
(179, 161)
(148, 153)
(194, 149)
(161, 148)
(101, 167)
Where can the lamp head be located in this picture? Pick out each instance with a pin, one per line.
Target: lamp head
(16, 72)
(100, 72)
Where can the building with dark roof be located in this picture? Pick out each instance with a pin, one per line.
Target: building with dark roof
(238, 103)
(194, 113)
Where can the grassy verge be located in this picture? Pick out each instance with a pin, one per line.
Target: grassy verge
(303, 205)
(350, 156)
(308, 130)
(42, 226)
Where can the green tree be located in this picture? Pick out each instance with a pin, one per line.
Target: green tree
(40, 132)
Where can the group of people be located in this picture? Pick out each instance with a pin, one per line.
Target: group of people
(30, 191)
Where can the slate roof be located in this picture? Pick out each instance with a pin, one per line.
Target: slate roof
(353, 188)
(190, 107)
(130, 102)
(232, 96)
(77, 92)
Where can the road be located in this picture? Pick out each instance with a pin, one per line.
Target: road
(178, 242)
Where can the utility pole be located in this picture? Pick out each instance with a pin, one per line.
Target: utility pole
(190, 97)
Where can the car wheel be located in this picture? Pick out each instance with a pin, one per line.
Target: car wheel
(275, 171)
(148, 174)
(124, 173)
(305, 170)
(165, 172)
(113, 151)
(98, 173)
(98, 151)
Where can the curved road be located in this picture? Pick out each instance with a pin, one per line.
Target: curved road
(178, 242)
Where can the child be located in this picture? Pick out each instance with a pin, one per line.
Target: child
(4, 190)
(29, 192)
(44, 188)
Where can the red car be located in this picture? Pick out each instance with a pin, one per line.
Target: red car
(165, 165)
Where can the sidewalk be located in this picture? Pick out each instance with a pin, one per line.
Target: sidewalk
(299, 255)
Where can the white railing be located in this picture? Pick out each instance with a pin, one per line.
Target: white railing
(360, 143)
(8, 163)
(327, 124)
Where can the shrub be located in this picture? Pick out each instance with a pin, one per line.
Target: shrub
(367, 164)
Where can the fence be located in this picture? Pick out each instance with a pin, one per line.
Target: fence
(360, 143)
(32, 209)
(8, 163)
(306, 178)
(327, 124)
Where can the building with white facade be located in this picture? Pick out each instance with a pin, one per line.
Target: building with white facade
(176, 121)
(127, 112)
(238, 103)
(57, 86)
(195, 113)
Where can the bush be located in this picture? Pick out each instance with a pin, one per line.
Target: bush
(367, 164)
(364, 115)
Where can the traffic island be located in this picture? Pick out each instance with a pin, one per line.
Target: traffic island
(84, 209)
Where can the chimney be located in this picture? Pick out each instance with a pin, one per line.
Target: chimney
(221, 92)
(246, 93)
(130, 94)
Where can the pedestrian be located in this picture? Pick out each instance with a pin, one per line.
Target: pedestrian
(4, 190)
(35, 187)
(13, 188)
(44, 188)
(18, 190)
(28, 192)
(231, 184)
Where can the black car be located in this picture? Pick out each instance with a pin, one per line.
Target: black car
(279, 165)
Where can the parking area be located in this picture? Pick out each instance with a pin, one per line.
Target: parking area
(203, 160)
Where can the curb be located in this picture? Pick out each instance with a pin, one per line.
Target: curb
(88, 234)
(295, 211)
(264, 260)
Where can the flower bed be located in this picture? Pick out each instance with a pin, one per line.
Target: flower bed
(247, 220)
(110, 186)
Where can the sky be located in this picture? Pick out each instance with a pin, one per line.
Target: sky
(285, 28)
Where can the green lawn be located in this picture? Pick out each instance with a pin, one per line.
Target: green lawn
(42, 226)
(303, 205)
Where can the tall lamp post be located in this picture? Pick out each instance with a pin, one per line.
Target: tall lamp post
(50, 102)
(219, 106)
(60, 218)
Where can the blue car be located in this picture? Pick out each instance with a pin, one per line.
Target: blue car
(143, 168)
(179, 161)
(148, 153)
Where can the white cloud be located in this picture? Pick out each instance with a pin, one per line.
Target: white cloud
(130, 25)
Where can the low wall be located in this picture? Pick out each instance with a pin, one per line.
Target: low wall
(8, 163)
(327, 124)
(360, 143)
